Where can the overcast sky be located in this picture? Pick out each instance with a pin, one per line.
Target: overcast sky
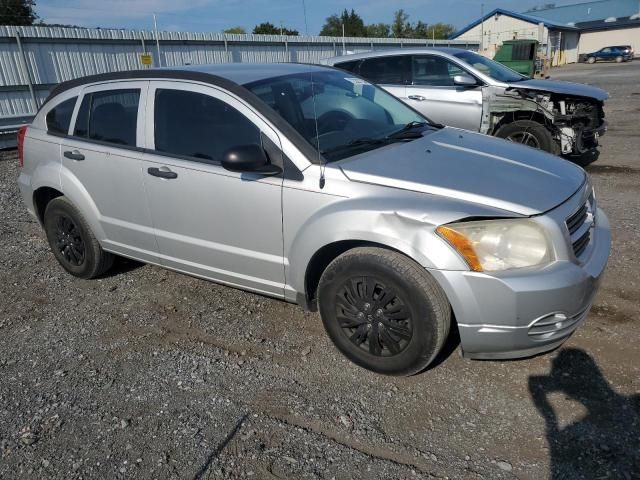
(216, 15)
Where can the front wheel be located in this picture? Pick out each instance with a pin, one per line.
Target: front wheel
(591, 60)
(619, 59)
(383, 311)
(530, 133)
(72, 241)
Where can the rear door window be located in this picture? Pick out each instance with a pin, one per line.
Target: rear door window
(198, 126)
(59, 117)
(391, 70)
(109, 116)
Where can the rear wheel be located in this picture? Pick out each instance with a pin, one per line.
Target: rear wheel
(529, 133)
(591, 60)
(72, 241)
(383, 311)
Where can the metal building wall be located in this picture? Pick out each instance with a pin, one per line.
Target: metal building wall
(34, 59)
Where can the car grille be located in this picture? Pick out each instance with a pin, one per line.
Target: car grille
(579, 225)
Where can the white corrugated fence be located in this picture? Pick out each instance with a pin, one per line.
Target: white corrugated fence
(34, 59)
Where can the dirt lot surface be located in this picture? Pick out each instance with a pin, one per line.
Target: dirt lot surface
(151, 374)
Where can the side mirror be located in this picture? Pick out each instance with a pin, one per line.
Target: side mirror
(249, 159)
(464, 80)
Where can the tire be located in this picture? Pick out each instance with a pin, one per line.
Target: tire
(619, 59)
(591, 60)
(529, 133)
(72, 241)
(383, 311)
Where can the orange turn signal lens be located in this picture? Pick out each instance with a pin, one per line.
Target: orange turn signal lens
(462, 245)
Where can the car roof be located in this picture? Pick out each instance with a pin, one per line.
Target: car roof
(244, 73)
(231, 77)
(230, 74)
(395, 51)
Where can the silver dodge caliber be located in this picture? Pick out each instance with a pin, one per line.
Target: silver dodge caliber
(312, 185)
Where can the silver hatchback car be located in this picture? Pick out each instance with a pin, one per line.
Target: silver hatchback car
(312, 185)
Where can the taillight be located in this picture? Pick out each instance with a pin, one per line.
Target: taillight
(21, 133)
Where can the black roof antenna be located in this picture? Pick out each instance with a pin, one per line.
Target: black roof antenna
(315, 113)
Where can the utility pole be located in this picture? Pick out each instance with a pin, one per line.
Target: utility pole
(155, 27)
(481, 28)
(344, 45)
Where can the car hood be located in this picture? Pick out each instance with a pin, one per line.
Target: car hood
(471, 167)
(566, 88)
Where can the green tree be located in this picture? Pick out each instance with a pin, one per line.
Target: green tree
(268, 28)
(353, 25)
(235, 30)
(441, 31)
(378, 30)
(420, 30)
(17, 12)
(400, 27)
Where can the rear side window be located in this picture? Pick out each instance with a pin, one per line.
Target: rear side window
(198, 126)
(387, 70)
(109, 116)
(351, 66)
(59, 117)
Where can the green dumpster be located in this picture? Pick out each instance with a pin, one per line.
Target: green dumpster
(521, 56)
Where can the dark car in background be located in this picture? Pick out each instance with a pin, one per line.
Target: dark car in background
(618, 53)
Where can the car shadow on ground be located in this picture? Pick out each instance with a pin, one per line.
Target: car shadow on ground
(121, 266)
(451, 344)
(605, 442)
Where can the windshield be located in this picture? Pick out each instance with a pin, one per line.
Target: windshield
(493, 69)
(352, 115)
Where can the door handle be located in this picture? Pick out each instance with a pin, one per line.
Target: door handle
(417, 98)
(74, 155)
(162, 172)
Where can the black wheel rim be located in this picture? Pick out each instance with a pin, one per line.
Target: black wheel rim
(526, 138)
(69, 241)
(373, 317)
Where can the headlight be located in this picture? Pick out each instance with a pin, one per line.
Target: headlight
(494, 245)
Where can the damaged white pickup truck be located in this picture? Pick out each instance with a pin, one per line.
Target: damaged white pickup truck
(460, 88)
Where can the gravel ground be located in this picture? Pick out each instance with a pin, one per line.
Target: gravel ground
(147, 373)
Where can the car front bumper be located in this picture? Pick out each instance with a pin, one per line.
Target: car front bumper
(525, 312)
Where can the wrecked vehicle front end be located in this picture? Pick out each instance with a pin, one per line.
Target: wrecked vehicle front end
(573, 113)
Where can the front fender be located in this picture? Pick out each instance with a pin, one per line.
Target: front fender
(402, 226)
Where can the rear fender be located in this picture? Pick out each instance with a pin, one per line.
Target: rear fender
(77, 194)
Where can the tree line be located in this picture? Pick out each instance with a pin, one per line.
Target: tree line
(400, 27)
(354, 26)
(22, 12)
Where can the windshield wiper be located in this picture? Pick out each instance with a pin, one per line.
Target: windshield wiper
(358, 142)
(409, 131)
